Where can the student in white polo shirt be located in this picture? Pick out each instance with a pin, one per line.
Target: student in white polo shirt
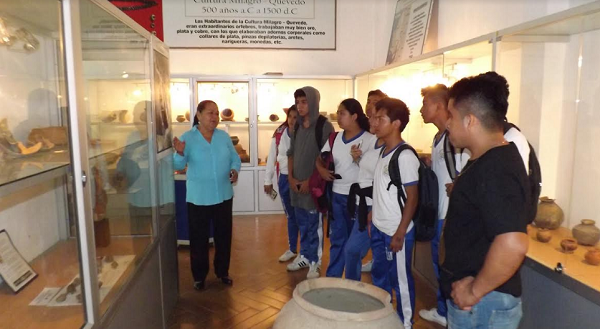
(355, 125)
(392, 233)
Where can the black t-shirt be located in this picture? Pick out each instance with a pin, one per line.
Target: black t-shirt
(489, 198)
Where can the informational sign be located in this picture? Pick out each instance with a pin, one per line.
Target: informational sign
(13, 268)
(279, 24)
(411, 21)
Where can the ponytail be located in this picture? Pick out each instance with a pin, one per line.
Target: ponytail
(353, 107)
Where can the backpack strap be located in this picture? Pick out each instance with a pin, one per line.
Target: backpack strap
(319, 131)
(449, 158)
(394, 171)
(508, 126)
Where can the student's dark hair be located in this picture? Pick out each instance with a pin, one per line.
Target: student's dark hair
(201, 106)
(299, 93)
(353, 107)
(437, 92)
(485, 96)
(377, 92)
(396, 110)
(291, 109)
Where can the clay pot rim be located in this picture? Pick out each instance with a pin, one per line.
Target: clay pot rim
(379, 294)
(569, 240)
(588, 222)
(546, 199)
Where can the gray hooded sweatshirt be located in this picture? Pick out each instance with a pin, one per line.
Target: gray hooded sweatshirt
(304, 148)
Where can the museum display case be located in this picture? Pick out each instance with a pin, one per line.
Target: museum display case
(552, 68)
(86, 184)
(404, 80)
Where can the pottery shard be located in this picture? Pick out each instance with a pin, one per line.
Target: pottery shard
(71, 288)
(61, 298)
(56, 135)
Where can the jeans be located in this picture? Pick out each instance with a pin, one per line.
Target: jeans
(292, 224)
(308, 222)
(341, 226)
(357, 247)
(494, 311)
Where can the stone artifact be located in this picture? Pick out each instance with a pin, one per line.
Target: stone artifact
(568, 245)
(336, 303)
(586, 233)
(61, 298)
(543, 235)
(549, 214)
(57, 135)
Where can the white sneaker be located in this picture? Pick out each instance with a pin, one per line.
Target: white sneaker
(287, 255)
(432, 315)
(313, 271)
(298, 263)
(367, 267)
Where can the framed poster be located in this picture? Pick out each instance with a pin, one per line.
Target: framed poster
(411, 22)
(15, 271)
(271, 24)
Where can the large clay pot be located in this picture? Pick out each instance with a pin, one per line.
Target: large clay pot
(549, 215)
(543, 235)
(333, 303)
(593, 256)
(586, 233)
(227, 115)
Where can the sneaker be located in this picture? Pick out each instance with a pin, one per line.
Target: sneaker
(367, 267)
(298, 263)
(313, 271)
(432, 315)
(199, 285)
(287, 255)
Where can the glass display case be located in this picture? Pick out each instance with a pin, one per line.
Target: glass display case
(552, 68)
(406, 79)
(86, 183)
(36, 194)
(181, 109)
(275, 95)
(233, 101)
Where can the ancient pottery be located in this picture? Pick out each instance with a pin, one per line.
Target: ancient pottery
(586, 233)
(543, 235)
(593, 256)
(549, 214)
(180, 118)
(187, 115)
(568, 245)
(227, 115)
(273, 117)
(336, 303)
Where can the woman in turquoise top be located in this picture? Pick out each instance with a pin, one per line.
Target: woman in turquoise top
(212, 168)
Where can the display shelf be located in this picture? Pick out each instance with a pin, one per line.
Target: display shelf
(574, 265)
(55, 268)
(26, 167)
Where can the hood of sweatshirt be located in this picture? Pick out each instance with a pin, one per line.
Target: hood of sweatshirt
(313, 97)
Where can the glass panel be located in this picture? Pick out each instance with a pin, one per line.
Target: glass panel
(117, 75)
(162, 102)
(467, 61)
(552, 71)
(405, 82)
(36, 216)
(232, 100)
(166, 189)
(275, 95)
(180, 106)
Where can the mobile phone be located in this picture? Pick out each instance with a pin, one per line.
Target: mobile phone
(337, 176)
(273, 194)
(359, 144)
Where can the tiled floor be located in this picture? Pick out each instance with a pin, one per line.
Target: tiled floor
(261, 284)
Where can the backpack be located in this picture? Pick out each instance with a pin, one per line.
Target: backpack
(425, 217)
(318, 130)
(320, 189)
(535, 177)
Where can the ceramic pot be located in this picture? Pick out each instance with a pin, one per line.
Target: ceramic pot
(586, 233)
(235, 140)
(336, 303)
(187, 116)
(227, 115)
(124, 116)
(549, 214)
(180, 118)
(593, 256)
(568, 245)
(543, 235)
(273, 117)
(333, 116)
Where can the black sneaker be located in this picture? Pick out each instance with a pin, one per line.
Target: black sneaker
(227, 280)
(199, 285)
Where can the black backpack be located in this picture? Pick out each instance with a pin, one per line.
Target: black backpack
(535, 177)
(318, 130)
(425, 218)
(449, 159)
